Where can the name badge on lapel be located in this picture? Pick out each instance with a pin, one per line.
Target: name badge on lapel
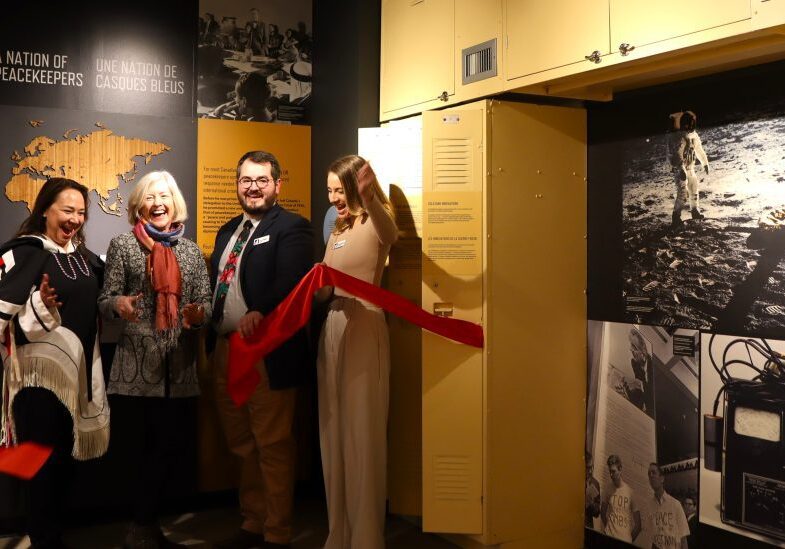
(339, 244)
(261, 240)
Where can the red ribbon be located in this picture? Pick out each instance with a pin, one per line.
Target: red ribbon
(294, 311)
(25, 460)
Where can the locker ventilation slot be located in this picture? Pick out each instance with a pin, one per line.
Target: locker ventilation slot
(452, 161)
(479, 62)
(451, 478)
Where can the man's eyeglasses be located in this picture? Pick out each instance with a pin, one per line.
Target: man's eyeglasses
(261, 182)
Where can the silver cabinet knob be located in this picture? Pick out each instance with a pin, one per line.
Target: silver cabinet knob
(595, 56)
(444, 96)
(625, 48)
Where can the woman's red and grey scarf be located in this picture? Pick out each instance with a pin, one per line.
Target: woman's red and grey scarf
(165, 278)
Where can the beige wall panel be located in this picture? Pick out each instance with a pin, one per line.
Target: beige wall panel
(536, 327)
(395, 152)
(417, 52)
(641, 22)
(544, 35)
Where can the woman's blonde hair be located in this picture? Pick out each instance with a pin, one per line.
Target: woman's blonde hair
(346, 168)
(136, 200)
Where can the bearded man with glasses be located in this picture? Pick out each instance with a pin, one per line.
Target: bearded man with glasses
(259, 257)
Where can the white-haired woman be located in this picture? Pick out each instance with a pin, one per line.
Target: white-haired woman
(157, 281)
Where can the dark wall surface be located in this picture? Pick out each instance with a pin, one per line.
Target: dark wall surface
(346, 88)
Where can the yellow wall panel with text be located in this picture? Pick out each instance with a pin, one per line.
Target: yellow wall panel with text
(221, 143)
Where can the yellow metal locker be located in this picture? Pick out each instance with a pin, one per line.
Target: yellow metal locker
(453, 181)
(504, 200)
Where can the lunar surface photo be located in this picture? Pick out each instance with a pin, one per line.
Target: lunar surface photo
(711, 258)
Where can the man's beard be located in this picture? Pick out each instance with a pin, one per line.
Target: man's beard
(253, 211)
(259, 210)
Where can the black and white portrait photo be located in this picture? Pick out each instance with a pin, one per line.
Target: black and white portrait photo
(642, 431)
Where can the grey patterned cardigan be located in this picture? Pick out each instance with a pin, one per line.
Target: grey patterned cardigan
(140, 367)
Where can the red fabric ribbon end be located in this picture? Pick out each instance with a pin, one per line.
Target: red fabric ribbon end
(25, 460)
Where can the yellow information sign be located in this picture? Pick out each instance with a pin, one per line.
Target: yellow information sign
(452, 232)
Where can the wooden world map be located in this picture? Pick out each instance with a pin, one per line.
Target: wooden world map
(99, 160)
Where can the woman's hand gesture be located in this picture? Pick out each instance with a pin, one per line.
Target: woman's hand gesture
(193, 315)
(48, 293)
(365, 179)
(126, 306)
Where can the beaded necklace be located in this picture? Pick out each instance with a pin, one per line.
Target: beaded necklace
(83, 268)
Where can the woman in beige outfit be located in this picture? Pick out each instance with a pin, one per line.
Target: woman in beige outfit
(354, 362)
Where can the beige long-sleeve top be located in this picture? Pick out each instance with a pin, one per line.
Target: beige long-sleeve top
(361, 250)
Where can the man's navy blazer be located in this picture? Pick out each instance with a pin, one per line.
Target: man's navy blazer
(276, 257)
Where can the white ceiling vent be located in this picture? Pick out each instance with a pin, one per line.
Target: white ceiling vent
(479, 62)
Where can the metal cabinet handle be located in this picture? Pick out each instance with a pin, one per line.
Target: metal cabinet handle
(625, 48)
(444, 96)
(595, 56)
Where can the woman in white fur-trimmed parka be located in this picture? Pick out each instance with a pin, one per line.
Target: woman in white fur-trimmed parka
(53, 386)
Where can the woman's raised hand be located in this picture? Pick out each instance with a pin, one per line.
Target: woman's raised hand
(48, 293)
(365, 179)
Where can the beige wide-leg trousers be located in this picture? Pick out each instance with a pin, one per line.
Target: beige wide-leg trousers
(353, 375)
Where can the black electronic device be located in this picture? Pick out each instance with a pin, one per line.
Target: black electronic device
(753, 472)
(752, 451)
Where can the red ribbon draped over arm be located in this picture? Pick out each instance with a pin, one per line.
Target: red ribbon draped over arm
(294, 311)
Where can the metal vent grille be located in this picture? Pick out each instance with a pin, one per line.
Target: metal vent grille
(452, 161)
(479, 62)
(451, 478)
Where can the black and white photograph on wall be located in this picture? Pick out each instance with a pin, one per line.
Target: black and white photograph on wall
(698, 178)
(743, 405)
(642, 429)
(254, 60)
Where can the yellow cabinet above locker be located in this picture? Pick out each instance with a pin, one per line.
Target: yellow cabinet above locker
(583, 49)
(417, 55)
(576, 34)
(543, 35)
(437, 53)
(637, 43)
(638, 23)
